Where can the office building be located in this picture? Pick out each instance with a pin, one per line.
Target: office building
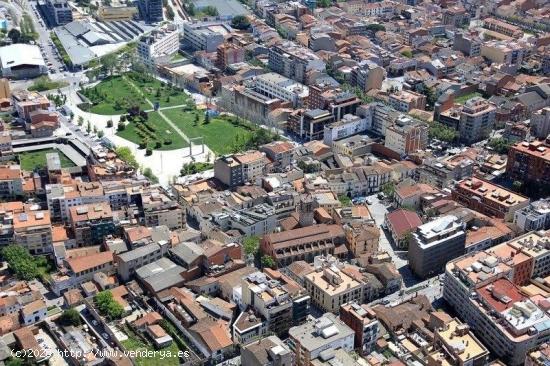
(151, 10)
(204, 36)
(310, 125)
(434, 244)
(57, 12)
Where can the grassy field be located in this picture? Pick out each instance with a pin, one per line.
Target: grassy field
(219, 134)
(115, 94)
(37, 159)
(136, 132)
(134, 343)
(463, 99)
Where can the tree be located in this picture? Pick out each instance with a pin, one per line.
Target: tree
(407, 53)
(210, 11)
(376, 27)
(149, 174)
(441, 132)
(324, 3)
(431, 98)
(170, 13)
(108, 63)
(148, 151)
(517, 186)
(100, 133)
(88, 127)
(80, 120)
(240, 22)
(110, 123)
(121, 126)
(14, 35)
(125, 154)
(500, 145)
(20, 262)
(206, 118)
(108, 306)
(70, 317)
(251, 245)
(388, 189)
(268, 262)
(196, 120)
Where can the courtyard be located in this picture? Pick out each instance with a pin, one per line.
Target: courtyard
(32, 160)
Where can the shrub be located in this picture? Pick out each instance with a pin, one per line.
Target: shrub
(142, 144)
(148, 152)
(167, 142)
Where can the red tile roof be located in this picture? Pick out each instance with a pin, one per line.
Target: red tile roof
(403, 221)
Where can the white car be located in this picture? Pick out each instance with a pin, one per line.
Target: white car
(94, 322)
(105, 335)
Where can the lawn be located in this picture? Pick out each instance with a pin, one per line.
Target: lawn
(137, 132)
(463, 99)
(37, 159)
(134, 343)
(115, 94)
(219, 134)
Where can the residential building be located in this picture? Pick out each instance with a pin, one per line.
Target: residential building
(441, 173)
(32, 230)
(57, 12)
(362, 320)
(319, 338)
(267, 351)
(61, 197)
(206, 36)
(504, 52)
(367, 76)
(34, 312)
(540, 123)
(330, 287)
(91, 223)
(405, 101)
(310, 125)
(278, 86)
(129, 261)
(478, 289)
(434, 244)
(488, 198)
(348, 126)
(502, 27)
(406, 136)
(160, 210)
(228, 171)
(470, 352)
(455, 16)
(151, 10)
(302, 244)
(159, 45)
(11, 181)
(529, 163)
(467, 43)
(477, 119)
(294, 61)
(229, 54)
(81, 269)
(26, 102)
(534, 217)
(279, 153)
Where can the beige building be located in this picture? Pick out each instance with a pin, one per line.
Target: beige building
(502, 52)
(362, 238)
(252, 163)
(406, 100)
(112, 13)
(33, 231)
(477, 119)
(158, 210)
(329, 287)
(5, 91)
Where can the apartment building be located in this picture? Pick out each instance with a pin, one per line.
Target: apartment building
(228, 171)
(406, 136)
(504, 319)
(158, 45)
(32, 230)
(467, 43)
(529, 163)
(488, 198)
(363, 180)
(267, 351)
(160, 210)
(105, 165)
(272, 299)
(362, 238)
(455, 16)
(151, 10)
(302, 244)
(279, 153)
(26, 102)
(477, 119)
(330, 287)
(367, 75)
(534, 217)
(363, 321)
(505, 52)
(205, 36)
(258, 220)
(348, 126)
(61, 197)
(278, 86)
(310, 125)
(459, 344)
(11, 181)
(441, 173)
(128, 262)
(406, 100)
(434, 244)
(540, 123)
(294, 61)
(319, 338)
(229, 54)
(91, 223)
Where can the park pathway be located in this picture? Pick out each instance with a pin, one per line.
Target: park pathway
(167, 108)
(176, 128)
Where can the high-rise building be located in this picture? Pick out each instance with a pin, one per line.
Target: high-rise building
(529, 163)
(151, 10)
(477, 119)
(57, 12)
(364, 323)
(434, 244)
